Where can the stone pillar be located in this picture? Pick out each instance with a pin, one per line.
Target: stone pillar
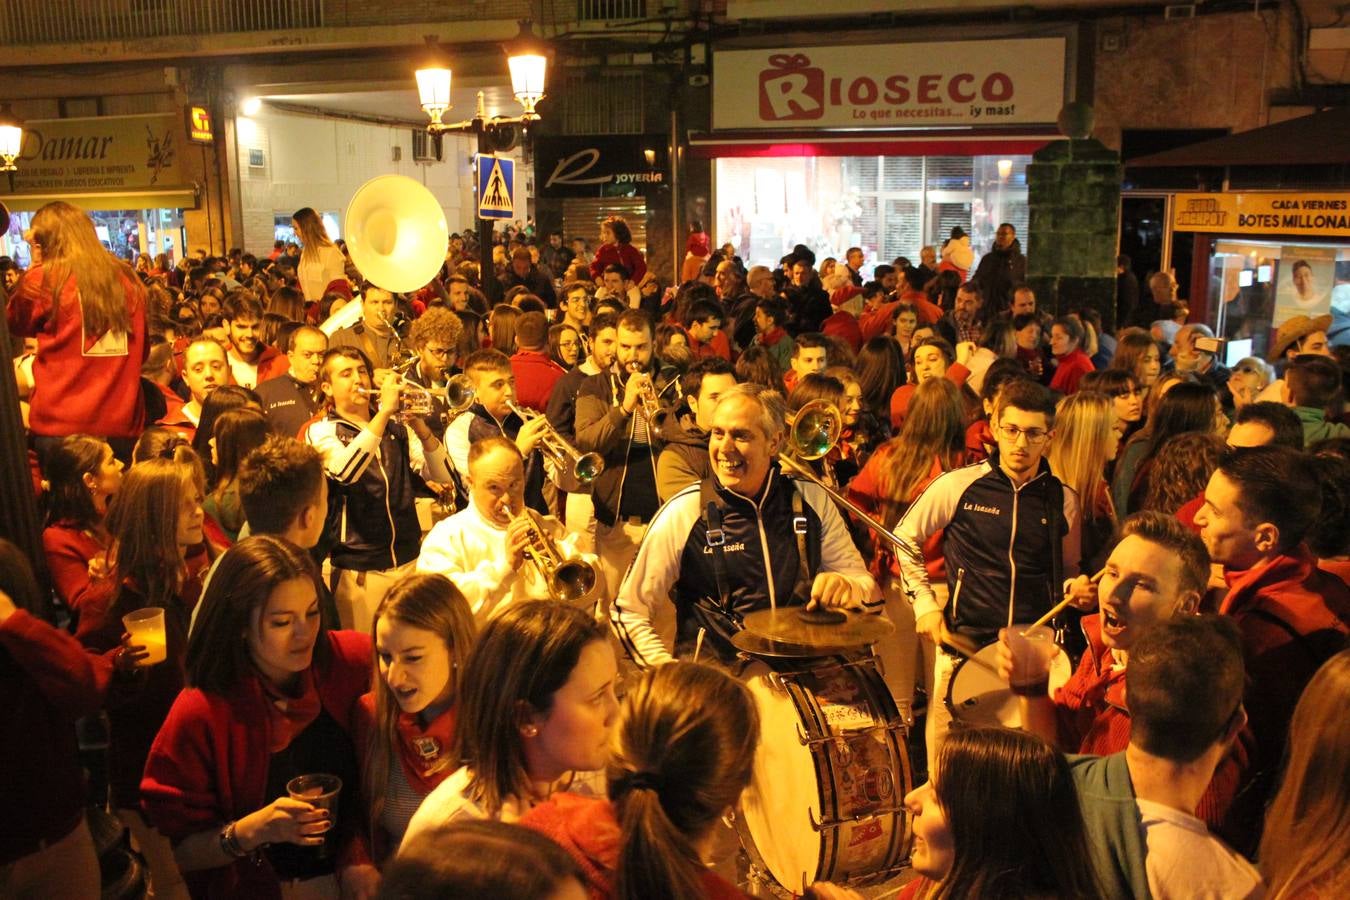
(1073, 195)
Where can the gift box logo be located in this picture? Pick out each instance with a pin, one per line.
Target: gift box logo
(791, 89)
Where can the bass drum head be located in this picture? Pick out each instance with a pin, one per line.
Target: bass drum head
(778, 819)
(977, 696)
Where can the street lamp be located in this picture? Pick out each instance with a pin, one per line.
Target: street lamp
(527, 57)
(11, 138)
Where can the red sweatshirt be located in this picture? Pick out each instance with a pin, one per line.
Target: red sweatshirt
(83, 383)
(625, 255)
(48, 681)
(1071, 369)
(208, 766)
(956, 374)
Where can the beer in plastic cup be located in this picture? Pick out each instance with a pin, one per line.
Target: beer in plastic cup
(1032, 649)
(146, 627)
(321, 791)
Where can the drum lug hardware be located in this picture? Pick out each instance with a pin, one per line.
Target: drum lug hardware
(835, 822)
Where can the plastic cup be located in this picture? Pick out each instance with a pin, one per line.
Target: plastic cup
(146, 627)
(322, 792)
(1032, 650)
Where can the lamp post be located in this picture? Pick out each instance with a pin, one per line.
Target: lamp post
(527, 58)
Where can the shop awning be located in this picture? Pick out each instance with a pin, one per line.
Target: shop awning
(151, 198)
(1316, 140)
(927, 142)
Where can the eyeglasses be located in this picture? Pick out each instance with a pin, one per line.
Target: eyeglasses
(1034, 436)
(438, 352)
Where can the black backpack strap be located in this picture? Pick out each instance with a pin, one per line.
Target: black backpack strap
(716, 538)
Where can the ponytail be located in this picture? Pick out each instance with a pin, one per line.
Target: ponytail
(685, 748)
(657, 860)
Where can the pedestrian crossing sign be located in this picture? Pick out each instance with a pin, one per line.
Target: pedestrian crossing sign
(496, 180)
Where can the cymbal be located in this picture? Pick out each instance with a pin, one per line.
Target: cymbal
(755, 645)
(787, 626)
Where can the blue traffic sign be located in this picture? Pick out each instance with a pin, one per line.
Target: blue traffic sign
(496, 180)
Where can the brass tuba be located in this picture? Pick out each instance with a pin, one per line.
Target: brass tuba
(569, 580)
(396, 233)
(584, 467)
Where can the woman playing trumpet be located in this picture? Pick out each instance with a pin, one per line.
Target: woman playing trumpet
(484, 547)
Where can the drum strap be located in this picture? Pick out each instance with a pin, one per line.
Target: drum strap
(800, 525)
(716, 537)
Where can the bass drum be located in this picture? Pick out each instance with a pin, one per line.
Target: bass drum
(977, 696)
(826, 800)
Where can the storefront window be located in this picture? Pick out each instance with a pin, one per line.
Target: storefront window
(1256, 285)
(888, 205)
(125, 232)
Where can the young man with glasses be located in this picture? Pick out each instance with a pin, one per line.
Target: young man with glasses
(1009, 536)
(435, 336)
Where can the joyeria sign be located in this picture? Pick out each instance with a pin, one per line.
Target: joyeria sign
(1014, 82)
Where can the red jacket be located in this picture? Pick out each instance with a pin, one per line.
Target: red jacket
(208, 766)
(536, 374)
(1071, 369)
(48, 681)
(625, 255)
(718, 346)
(83, 383)
(586, 828)
(69, 550)
(1293, 618)
(844, 325)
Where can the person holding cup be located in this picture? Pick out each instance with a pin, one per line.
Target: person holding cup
(155, 520)
(270, 699)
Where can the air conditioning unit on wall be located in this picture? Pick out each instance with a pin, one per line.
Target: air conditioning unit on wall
(427, 148)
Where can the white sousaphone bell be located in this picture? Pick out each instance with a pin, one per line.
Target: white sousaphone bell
(396, 233)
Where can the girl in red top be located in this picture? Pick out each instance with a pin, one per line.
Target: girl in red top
(1066, 343)
(406, 725)
(616, 246)
(270, 697)
(87, 309)
(697, 249)
(82, 476)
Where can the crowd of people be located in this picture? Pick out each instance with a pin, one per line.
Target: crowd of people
(449, 583)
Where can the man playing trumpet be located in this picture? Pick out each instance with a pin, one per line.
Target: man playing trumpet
(484, 548)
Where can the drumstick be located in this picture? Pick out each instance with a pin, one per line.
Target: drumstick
(1061, 605)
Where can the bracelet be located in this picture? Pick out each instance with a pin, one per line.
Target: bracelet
(229, 842)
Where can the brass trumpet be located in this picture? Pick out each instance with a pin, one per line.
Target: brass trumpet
(415, 400)
(570, 579)
(812, 433)
(584, 467)
(657, 416)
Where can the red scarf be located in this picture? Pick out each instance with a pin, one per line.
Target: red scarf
(423, 748)
(288, 716)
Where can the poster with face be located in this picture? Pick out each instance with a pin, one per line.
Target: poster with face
(1303, 282)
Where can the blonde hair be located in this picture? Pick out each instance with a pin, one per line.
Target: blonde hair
(1078, 456)
(312, 233)
(1305, 850)
(108, 287)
